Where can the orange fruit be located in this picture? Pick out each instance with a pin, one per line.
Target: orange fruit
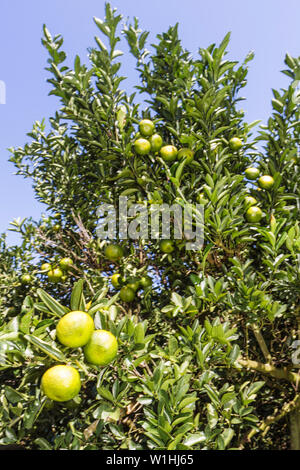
(61, 383)
(187, 154)
(113, 252)
(235, 143)
(146, 127)
(142, 146)
(252, 173)
(168, 153)
(26, 279)
(115, 280)
(266, 182)
(167, 246)
(254, 214)
(46, 267)
(66, 263)
(55, 275)
(74, 329)
(155, 142)
(102, 348)
(127, 294)
(250, 200)
(145, 281)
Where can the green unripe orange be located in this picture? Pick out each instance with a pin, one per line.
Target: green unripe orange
(66, 263)
(142, 146)
(250, 200)
(75, 329)
(235, 143)
(26, 279)
(155, 142)
(252, 173)
(168, 153)
(61, 383)
(46, 267)
(115, 280)
(102, 348)
(266, 182)
(55, 275)
(254, 214)
(145, 281)
(134, 284)
(127, 294)
(113, 252)
(146, 127)
(167, 246)
(187, 154)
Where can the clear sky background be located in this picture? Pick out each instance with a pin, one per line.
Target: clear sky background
(268, 27)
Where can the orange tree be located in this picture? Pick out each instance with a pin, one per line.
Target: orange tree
(206, 354)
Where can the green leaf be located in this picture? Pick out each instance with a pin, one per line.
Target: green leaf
(139, 334)
(194, 439)
(52, 304)
(77, 298)
(105, 393)
(42, 443)
(51, 351)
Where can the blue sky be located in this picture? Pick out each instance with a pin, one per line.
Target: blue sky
(268, 27)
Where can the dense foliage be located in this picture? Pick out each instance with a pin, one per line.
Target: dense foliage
(205, 352)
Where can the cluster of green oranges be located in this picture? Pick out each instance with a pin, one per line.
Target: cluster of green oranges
(56, 272)
(148, 141)
(76, 329)
(59, 271)
(128, 287)
(254, 213)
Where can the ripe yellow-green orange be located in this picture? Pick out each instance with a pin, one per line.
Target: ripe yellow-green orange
(250, 200)
(168, 153)
(46, 267)
(187, 154)
(55, 275)
(66, 263)
(252, 173)
(235, 143)
(167, 246)
(134, 284)
(146, 127)
(75, 329)
(266, 182)
(61, 383)
(127, 294)
(56, 227)
(26, 279)
(145, 281)
(254, 214)
(102, 348)
(115, 280)
(113, 252)
(156, 142)
(142, 146)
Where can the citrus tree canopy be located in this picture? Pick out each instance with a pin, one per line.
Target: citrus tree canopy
(175, 348)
